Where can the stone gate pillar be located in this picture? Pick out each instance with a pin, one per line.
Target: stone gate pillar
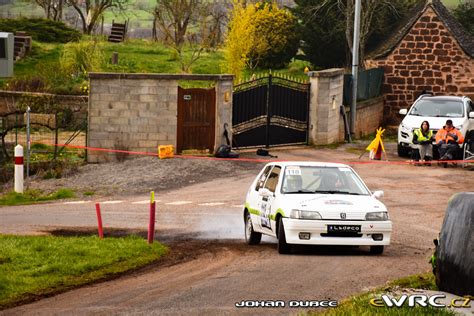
(325, 99)
(224, 87)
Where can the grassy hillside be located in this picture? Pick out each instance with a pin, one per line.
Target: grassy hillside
(135, 56)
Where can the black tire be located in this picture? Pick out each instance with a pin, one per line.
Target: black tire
(376, 250)
(402, 151)
(283, 247)
(465, 154)
(251, 236)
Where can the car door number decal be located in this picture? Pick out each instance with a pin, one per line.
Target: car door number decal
(265, 210)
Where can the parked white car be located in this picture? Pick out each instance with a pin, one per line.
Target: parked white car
(315, 203)
(436, 110)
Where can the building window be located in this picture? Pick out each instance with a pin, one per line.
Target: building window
(3, 48)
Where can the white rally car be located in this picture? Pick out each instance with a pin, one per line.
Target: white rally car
(315, 203)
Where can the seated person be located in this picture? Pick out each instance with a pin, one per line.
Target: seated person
(423, 138)
(448, 139)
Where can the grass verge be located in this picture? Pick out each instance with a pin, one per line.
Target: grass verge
(36, 266)
(360, 304)
(34, 196)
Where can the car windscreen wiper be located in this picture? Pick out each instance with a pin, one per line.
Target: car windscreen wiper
(335, 192)
(299, 191)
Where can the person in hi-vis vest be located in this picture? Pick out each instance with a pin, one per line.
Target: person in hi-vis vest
(423, 138)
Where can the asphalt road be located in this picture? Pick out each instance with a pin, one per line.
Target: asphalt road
(203, 224)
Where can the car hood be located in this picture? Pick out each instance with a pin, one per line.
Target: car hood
(437, 123)
(330, 206)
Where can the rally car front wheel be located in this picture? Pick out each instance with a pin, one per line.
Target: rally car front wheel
(283, 247)
(376, 250)
(251, 236)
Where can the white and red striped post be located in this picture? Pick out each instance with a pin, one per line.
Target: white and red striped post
(19, 169)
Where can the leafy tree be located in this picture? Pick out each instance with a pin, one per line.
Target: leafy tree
(260, 35)
(240, 38)
(323, 35)
(90, 11)
(277, 37)
(326, 24)
(464, 13)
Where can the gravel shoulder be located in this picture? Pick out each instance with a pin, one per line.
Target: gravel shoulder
(144, 174)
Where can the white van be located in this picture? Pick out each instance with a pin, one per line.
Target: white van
(436, 110)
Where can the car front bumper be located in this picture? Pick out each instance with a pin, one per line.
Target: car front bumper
(318, 230)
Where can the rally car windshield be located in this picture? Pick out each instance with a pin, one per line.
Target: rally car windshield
(322, 180)
(438, 108)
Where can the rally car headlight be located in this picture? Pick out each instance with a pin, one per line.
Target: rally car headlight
(376, 216)
(300, 214)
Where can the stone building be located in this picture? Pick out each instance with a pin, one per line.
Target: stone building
(431, 52)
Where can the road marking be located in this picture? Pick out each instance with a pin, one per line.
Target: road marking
(77, 202)
(111, 202)
(212, 204)
(179, 203)
(145, 202)
(237, 206)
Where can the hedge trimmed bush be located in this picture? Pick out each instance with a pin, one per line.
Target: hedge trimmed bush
(42, 30)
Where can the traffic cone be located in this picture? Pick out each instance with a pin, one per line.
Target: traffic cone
(376, 147)
(378, 153)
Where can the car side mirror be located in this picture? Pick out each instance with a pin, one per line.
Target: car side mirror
(378, 194)
(403, 111)
(264, 192)
(471, 114)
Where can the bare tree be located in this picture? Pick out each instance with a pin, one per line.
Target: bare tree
(215, 23)
(174, 18)
(90, 11)
(53, 9)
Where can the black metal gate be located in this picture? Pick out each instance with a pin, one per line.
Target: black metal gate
(270, 111)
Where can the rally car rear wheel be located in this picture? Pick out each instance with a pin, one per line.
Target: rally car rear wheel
(283, 247)
(251, 236)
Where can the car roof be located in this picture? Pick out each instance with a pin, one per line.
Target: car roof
(309, 163)
(442, 97)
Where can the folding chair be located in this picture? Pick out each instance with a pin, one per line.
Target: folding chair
(468, 149)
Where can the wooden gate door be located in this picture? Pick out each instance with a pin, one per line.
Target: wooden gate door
(196, 119)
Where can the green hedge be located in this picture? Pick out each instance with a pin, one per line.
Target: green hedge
(42, 30)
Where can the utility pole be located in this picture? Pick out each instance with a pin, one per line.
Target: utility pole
(355, 63)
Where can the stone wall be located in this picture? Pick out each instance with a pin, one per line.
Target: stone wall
(369, 117)
(428, 58)
(326, 96)
(138, 112)
(9, 100)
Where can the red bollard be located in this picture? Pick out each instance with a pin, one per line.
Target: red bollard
(151, 225)
(99, 221)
